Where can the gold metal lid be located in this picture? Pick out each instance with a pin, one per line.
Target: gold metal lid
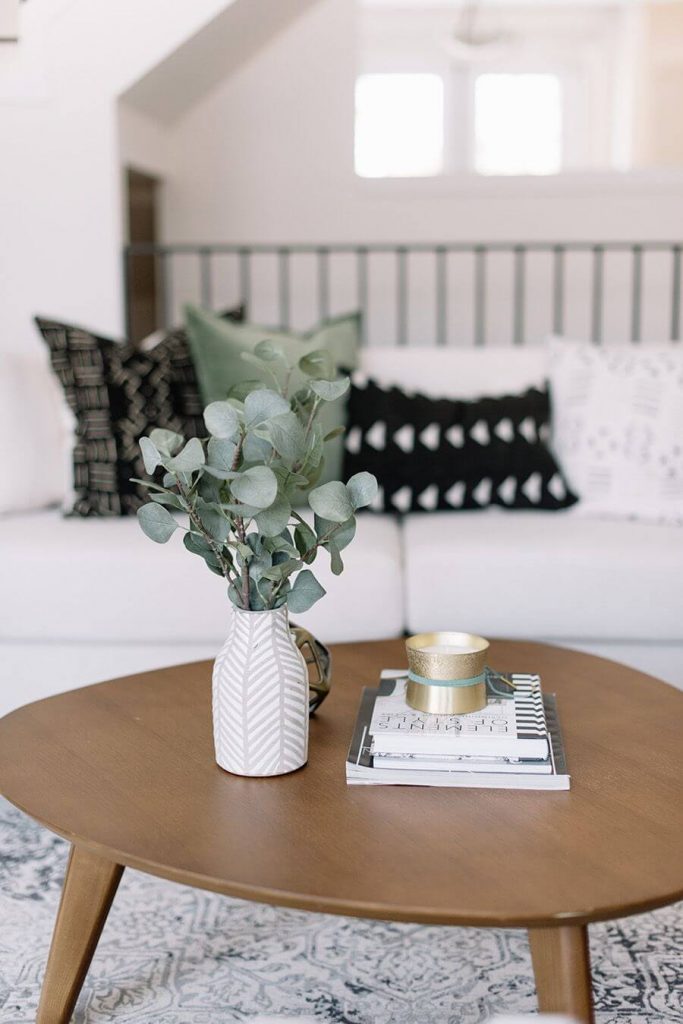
(447, 655)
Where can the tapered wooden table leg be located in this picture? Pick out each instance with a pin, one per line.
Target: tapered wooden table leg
(89, 888)
(562, 968)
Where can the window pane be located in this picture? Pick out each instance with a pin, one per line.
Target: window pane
(518, 124)
(399, 126)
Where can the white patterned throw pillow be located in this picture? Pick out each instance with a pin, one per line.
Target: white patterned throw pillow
(617, 427)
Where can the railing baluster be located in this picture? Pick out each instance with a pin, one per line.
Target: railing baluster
(441, 297)
(518, 311)
(558, 289)
(205, 277)
(283, 287)
(166, 271)
(323, 276)
(480, 295)
(362, 289)
(636, 292)
(676, 295)
(245, 278)
(402, 295)
(597, 295)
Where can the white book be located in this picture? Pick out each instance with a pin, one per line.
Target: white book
(511, 725)
(363, 768)
(463, 763)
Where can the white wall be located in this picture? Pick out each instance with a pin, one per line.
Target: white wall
(268, 155)
(60, 184)
(143, 142)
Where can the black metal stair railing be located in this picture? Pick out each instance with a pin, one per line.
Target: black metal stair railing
(439, 294)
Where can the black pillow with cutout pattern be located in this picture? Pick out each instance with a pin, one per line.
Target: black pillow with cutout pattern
(118, 392)
(445, 454)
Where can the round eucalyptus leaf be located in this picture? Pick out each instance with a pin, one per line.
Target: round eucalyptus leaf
(305, 539)
(240, 509)
(196, 544)
(209, 487)
(305, 592)
(337, 432)
(336, 563)
(330, 390)
(256, 486)
(222, 420)
(220, 453)
(317, 364)
(341, 534)
(315, 451)
(256, 449)
(269, 351)
(166, 441)
(220, 474)
(262, 405)
(332, 501)
(189, 459)
(363, 489)
(170, 500)
(215, 524)
(272, 521)
(156, 522)
(279, 570)
(238, 392)
(287, 436)
(150, 454)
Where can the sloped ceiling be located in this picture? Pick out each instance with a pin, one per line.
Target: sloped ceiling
(231, 39)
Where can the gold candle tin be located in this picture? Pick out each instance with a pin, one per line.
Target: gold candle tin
(446, 674)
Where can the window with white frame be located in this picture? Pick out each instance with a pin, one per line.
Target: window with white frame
(399, 130)
(517, 124)
(540, 89)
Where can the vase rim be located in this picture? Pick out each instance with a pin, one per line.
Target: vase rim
(260, 611)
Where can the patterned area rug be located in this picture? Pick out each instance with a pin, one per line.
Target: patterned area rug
(174, 955)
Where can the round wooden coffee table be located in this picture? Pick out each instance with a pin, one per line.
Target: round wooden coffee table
(124, 770)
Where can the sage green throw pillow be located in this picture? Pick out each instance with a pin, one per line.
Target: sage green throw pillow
(217, 346)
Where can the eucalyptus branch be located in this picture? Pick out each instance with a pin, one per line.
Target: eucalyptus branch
(245, 527)
(242, 534)
(311, 418)
(238, 453)
(321, 541)
(201, 529)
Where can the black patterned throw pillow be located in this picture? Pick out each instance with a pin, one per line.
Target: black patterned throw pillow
(118, 392)
(430, 454)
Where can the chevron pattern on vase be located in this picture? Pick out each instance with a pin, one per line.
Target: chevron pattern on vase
(260, 696)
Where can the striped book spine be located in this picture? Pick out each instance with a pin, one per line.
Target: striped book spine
(529, 711)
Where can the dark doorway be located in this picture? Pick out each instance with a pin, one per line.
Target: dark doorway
(143, 291)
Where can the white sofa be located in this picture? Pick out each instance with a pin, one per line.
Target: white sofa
(87, 599)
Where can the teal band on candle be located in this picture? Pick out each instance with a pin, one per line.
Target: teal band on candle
(472, 681)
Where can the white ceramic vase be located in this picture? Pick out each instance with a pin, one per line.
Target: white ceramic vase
(260, 696)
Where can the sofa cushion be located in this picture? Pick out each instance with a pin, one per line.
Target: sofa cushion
(118, 392)
(100, 580)
(223, 354)
(442, 453)
(617, 427)
(457, 372)
(530, 574)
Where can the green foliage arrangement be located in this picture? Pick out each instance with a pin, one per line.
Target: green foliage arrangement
(234, 493)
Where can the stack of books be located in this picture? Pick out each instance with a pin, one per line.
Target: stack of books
(513, 743)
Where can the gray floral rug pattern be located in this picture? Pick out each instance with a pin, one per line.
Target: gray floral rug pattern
(174, 955)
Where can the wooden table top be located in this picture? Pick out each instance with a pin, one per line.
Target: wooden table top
(125, 768)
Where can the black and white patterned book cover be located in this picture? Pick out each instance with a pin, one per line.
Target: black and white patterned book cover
(507, 724)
